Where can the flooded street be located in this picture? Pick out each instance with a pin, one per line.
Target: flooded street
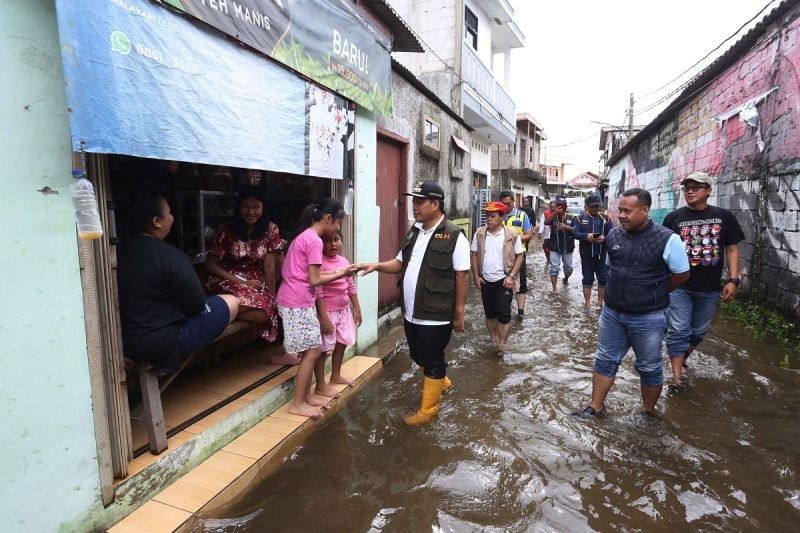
(505, 452)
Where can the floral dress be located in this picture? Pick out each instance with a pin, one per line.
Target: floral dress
(245, 259)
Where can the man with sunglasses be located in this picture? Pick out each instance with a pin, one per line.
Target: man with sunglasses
(709, 234)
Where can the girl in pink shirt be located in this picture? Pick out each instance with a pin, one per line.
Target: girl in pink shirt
(333, 307)
(297, 299)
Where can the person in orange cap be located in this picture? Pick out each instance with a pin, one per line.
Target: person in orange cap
(497, 256)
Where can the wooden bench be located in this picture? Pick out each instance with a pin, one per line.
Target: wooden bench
(152, 388)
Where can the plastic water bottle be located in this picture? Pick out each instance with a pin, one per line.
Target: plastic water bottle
(84, 202)
(348, 201)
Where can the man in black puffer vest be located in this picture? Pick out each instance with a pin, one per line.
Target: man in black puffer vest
(647, 262)
(434, 265)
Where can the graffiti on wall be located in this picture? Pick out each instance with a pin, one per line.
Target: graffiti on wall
(752, 107)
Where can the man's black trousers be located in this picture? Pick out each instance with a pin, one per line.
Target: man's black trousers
(426, 344)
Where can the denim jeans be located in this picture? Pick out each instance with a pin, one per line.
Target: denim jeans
(591, 267)
(555, 263)
(690, 316)
(643, 332)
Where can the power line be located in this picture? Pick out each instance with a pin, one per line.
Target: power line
(763, 42)
(734, 34)
(573, 142)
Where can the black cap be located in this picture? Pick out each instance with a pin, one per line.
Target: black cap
(593, 199)
(560, 200)
(426, 189)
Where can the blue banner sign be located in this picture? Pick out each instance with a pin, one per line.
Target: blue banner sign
(326, 40)
(144, 81)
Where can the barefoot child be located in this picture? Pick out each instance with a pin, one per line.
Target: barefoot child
(338, 324)
(297, 297)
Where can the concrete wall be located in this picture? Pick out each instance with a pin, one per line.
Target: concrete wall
(438, 23)
(48, 472)
(410, 105)
(484, 34)
(482, 155)
(757, 163)
(367, 231)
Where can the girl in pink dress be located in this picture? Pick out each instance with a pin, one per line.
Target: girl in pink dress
(241, 261)
(333, 307)
(297, 299)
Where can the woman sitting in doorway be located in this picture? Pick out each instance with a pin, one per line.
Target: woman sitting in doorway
(242, 261)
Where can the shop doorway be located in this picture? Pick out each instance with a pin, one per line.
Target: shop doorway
(392, 153)
(202, 197)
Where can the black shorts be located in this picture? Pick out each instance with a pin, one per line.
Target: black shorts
(426, 345)
(198, 331)
(497, 301)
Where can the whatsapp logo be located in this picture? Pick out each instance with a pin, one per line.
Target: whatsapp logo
(120, 43)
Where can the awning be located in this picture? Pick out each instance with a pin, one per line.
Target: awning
(461, 144)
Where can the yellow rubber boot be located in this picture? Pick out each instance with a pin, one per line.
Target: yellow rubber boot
(447, 383)
(431, 396)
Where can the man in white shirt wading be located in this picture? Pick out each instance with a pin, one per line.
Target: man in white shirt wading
(434, 265)
(497, 256)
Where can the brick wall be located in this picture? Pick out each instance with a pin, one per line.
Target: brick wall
(756, 162)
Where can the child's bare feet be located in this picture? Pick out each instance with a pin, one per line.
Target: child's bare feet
(339, 380)
(317, 402)
(327, 390)
(286, 359)
(305, 409)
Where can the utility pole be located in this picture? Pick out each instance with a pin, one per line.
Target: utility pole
(630, 118)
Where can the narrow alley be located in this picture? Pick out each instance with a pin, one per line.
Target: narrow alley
(507, 454)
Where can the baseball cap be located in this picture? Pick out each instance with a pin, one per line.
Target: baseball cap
(426, 189)
(498, 207)
(699, 177)
(560, 200)
(593, 199)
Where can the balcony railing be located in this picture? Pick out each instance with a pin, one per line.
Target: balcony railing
(480, 78)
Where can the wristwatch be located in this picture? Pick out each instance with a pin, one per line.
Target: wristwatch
(735, 281)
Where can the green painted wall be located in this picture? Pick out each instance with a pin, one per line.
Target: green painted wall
(49, 476)
(367, 215)
(48, 468)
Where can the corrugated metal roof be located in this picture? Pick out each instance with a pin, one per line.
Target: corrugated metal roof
(707, 75)
(405, 40)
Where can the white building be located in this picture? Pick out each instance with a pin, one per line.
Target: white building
(467, 63)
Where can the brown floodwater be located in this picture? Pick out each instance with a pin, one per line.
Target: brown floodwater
(506, 454)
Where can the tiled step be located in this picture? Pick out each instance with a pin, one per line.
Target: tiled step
(244, 461)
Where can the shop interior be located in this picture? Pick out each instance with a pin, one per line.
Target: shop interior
(226, 374)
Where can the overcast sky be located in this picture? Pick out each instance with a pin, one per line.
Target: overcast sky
(583, 57)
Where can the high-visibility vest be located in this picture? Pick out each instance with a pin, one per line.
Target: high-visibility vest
(517, 223)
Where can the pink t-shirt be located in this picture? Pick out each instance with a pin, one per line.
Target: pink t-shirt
(337, 293)
(296, 291)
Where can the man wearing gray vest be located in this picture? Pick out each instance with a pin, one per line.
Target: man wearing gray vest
(647, 262)
(497, 257)
(434, 267)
